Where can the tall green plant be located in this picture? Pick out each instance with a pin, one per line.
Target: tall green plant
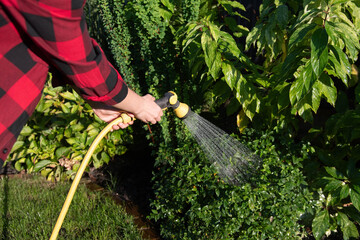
(316, 65)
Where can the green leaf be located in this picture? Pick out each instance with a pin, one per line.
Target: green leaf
(283, 99)
(62, 152)
(282, 16)
(105, 157)
(168, 4)
(26, 131)
(302, 88)
(228, 43)
(340, 63)
(347, 227)
(321, 224)
(231, 74)
(345, 191)
(319, 51)
(335, 173)
(291, 63)
(228, 5)
(64, 108)
(326, 88)
(299, 34)
(165, 14)
(212, 55)
(333, 185)
(68, 96)
(17, 145)
(238, 30)
(215, 31)
(355, 198)
(347, 35)
(253, 36)
(334, 2)
(41, 164)
(18, 166)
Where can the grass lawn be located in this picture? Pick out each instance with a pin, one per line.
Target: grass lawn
(29, 207)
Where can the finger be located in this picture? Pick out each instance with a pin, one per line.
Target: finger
(124, 125)
(115, 127)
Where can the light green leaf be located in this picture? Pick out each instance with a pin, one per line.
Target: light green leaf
(168, 4)
(214, 31)
(334, 2)
(212, 55)
(229, 5)
(253, 36)
(348, 35)
(339, 61)
(71, 141)
(315, 98)
(303, 85)
(17, 145)
(319, 51)
(231, 74)
(321, 224)
(68, 96)
(26, 131)
(326, 88)
(40, 165)
(347, 227)
(165, 14)
(64, 108)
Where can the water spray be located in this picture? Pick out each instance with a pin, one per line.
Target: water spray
(234, 162)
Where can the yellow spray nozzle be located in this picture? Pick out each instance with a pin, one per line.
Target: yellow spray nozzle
(182, 111)
(170, 99)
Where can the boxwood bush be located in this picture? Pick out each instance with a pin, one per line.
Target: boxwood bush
(192, 202)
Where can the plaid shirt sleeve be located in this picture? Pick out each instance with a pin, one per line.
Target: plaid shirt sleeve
(42, 34)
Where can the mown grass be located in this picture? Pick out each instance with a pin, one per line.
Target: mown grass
(29, 208)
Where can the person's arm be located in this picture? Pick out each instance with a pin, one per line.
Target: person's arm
(59, 34)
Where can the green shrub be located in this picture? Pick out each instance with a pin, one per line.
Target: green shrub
(58, 135)
(193, 203)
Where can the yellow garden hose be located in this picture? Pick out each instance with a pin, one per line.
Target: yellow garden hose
(169, 100)
(123, 119)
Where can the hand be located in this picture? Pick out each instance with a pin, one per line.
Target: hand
(109, 113)
(148, 111)
(143, 107)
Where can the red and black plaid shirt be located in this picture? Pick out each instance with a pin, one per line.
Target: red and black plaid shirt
(38, 35)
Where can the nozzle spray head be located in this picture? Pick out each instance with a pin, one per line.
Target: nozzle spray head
(170, 100)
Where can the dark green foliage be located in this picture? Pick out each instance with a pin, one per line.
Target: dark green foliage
(193, 203)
